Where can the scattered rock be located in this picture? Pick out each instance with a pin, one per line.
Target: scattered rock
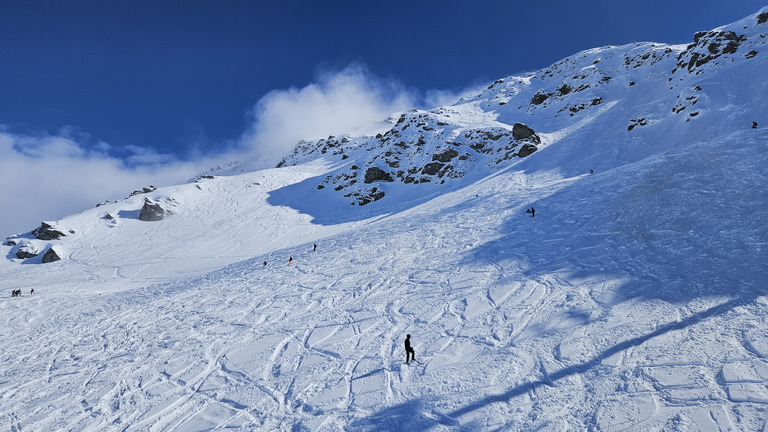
(48, 231)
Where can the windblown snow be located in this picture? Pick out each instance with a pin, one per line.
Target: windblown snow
(634, 299)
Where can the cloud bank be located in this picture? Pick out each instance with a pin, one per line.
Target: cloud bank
(46, 177)
(338, 102)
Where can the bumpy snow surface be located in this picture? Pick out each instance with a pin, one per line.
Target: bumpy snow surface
(635, 299)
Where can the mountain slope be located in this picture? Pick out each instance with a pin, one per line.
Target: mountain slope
(632, 300)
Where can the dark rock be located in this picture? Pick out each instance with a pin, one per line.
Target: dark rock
(376, 174)
(50, 256)
(26, 250)
(750, 54)
(527, 150)
(762, 18)
(539, 98)
(432, 168)
(445, 156)
(47, 231)
(369, 196)
(152, 211)
(150, 188)
(521, 131)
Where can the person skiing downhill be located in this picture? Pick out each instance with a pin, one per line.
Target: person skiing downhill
(408, 349)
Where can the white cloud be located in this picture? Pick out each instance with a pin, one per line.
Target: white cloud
(337, 103)
(48, 177)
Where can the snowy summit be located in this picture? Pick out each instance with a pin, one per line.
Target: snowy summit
(578, 248)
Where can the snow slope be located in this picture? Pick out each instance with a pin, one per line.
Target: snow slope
(633, 300)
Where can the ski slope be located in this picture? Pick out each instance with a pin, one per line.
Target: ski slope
(634, 299)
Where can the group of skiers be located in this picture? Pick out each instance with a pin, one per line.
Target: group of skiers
(17, 292)
(290, 258)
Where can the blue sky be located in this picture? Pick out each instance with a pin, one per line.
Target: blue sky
(140, 86)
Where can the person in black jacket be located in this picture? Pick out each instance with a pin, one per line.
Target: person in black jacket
(408, 349)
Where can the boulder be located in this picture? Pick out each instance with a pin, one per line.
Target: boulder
(522, 131)
(152, 211)
(527, 150)
(50, 256)
(26, 250)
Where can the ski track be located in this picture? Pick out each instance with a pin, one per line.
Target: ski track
(633, 300)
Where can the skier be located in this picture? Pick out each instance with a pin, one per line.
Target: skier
(408, 349)
(754, 125)
(314, 247)
(533, 212)
(32, 291)
(290, 260)
(265, 263)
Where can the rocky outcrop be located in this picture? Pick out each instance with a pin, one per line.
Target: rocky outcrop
(708, 46)
(148, 189)
(26, 250)
(50, 256)
(152, 211)
(48, 231)
(374, 174)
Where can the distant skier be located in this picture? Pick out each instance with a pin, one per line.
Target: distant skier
(533, 212)
(314, 247)
(265, 263)
(32, 291)
(591, 171)
(408, 350)
(290, 260)
(754, 125)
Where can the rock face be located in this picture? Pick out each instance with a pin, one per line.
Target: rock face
(48, 231)
(26, 250)
(152, 211)
(50, 256)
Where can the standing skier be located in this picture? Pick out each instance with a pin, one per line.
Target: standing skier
(408, 349)
(533, 212)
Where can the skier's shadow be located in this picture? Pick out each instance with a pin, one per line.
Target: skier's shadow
(411, 413)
